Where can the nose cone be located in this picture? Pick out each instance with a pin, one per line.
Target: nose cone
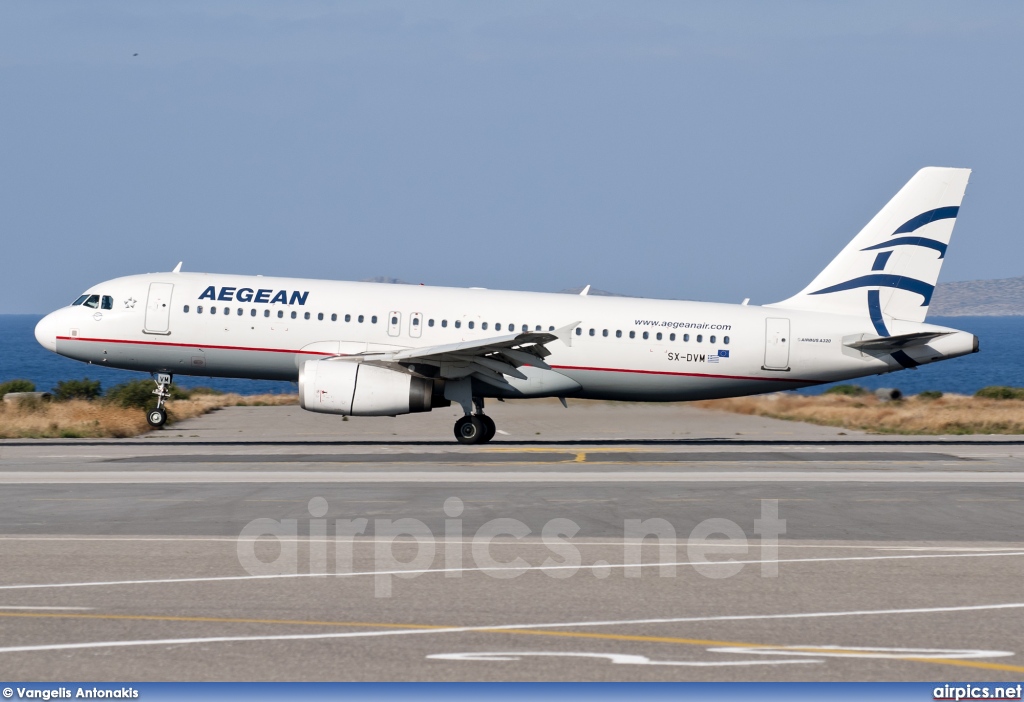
(46, 332)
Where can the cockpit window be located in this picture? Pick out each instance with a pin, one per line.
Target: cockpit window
(107, 303)
(93, 301)
(80, 300)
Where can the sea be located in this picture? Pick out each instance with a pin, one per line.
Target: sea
(1000, 362)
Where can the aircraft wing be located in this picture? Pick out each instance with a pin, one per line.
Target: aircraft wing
(894, 343)
(489, 360)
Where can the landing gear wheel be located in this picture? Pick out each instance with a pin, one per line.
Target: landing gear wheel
(489, 429)
(157, 417)
(469, 430)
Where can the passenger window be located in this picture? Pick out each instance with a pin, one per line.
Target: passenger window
(266, 313)
(80, 300)
(646, 335)
(306, 315)
(618, 333)
(373, 319)
(725, 340)
(294, 314)
(444, 322)
(359, 319)
(672, 336)
(458, 323)
(551, 328)
(280, 314)
(470, 325)
(686, 337)
(92, 301)
(592, 332)
(658, 336)
(213, 310)
(239, 311)
(416, 322)
(319, 316)
(334, 317)
(604, 332)
(497, 326)
(185, 309)
(711, 339)
(252, 312)
(579, 331)
(632, 335)
(430, 322)
(108, 302)
(348, 318)
(700, 338)
(394, 320)
(199, 309)
(483, 325)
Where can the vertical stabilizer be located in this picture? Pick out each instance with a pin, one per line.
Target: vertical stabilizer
(890, 269)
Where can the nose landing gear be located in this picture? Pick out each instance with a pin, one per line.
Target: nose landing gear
(158, 417)
(475, 428)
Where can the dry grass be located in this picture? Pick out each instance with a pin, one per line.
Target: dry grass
(950, 414)
(97, 419)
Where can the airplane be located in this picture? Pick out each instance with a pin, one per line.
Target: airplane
(387, 349)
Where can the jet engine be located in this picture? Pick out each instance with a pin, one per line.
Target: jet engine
(348, 387)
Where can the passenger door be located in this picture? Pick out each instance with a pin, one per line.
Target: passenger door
(415, 325)
(394, 323)
(158, 308)
(776, 344)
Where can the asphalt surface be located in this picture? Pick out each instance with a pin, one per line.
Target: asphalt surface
(222, 549)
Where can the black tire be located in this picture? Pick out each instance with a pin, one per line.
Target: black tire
(157, 417)
(489, 428)
(469, 430)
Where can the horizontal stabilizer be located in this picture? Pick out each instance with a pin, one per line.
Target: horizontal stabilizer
(894, 343)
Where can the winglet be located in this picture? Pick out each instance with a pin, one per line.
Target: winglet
(565, 333)
(585, 291)
(177, 268)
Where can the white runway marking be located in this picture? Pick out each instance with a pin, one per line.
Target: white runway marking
(864, 652)
(130, 477)
(39, 608)
(598, 566)
(369, 540)
(617, 658)
(500, 627)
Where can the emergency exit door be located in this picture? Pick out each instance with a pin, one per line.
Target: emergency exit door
(158, 308)
(394, 323)
(776, 344)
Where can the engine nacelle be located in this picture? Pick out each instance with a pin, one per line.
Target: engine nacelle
(347, 387)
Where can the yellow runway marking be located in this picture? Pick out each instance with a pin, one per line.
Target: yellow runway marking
(519, 632)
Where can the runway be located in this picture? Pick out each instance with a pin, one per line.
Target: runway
(232, 550)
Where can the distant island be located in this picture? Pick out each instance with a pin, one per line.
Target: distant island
(979, 298)
(968, 298)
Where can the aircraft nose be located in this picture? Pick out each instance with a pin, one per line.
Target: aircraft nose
(46, 332)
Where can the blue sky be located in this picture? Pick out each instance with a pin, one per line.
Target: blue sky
(710, 151)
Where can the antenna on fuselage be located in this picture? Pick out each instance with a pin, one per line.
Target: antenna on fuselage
(177, 268)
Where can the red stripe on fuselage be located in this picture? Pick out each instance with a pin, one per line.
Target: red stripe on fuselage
(323, 353)
(192, 346)
(694, 375)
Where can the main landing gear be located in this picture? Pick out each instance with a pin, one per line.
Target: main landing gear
(158, 417)
(475, 428)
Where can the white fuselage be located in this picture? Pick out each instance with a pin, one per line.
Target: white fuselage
(622, 348)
